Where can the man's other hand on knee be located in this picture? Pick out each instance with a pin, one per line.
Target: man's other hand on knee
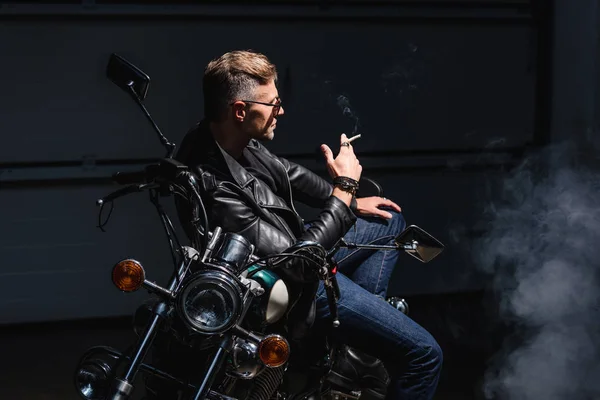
(376, 207)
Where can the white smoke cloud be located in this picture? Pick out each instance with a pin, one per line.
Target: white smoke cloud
(542, 249)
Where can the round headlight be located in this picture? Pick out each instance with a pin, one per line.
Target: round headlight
(210, 303)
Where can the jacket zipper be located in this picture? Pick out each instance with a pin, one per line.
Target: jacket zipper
(289, 187)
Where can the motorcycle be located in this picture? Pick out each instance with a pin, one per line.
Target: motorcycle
(223, 311)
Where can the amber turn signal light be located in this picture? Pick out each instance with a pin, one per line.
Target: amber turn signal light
(274, 351)
(128, 275)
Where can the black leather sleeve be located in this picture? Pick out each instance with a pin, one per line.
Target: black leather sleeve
(307, 187)
(305, 181)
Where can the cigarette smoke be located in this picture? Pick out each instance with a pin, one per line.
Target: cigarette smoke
(542, 250)
(332, 91)
(344, 104)
(397, 78)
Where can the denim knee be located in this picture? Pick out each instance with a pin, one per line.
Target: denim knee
(430, 357)
(436, 354)
(421, 378)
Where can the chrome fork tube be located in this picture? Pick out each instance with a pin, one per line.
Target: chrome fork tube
(214, 367)
(124, 386)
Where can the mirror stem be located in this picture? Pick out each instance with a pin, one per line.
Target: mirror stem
(163, 140)
(343, 243)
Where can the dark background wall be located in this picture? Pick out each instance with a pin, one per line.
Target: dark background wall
(433, 90)
(448, 96)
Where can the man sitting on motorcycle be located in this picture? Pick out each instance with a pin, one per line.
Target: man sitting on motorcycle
(249, 190)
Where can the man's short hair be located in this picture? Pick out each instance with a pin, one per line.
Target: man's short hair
(234, 76)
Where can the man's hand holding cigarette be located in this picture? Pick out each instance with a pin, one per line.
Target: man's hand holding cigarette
(346, 164)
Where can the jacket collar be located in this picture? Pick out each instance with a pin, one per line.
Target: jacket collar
(204, 150)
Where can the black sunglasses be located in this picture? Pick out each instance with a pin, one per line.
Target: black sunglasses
(276, 106)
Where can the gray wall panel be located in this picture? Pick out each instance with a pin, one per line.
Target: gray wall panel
(410, 86)
(55, 264)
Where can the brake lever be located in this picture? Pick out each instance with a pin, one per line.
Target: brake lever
(123, 192)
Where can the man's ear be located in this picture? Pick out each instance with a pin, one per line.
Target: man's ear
(239, 111)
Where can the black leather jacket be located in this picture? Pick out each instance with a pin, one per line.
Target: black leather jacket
(238, 202)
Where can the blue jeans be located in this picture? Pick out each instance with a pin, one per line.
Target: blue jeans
(367, 322)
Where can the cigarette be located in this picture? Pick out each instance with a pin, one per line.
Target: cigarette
(353, 138)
